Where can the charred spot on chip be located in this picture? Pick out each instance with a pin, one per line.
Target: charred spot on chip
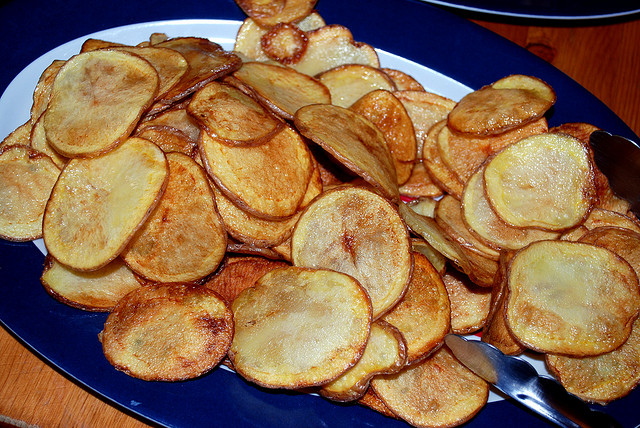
(284, 43)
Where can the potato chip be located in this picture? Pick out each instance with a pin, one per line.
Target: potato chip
(183, 239)
(246, 174)
(385, 353)
(281, 327)
(282, 89)
(169, 139)
(438, 392)
(357, 232)
(42, 92)
(175, 117)
(423, 315)
(470, 304)
(268, 14)
(284, 43)
(402, 80)
(419, 184)
(623, 242)
(350, 82)
(21, 135)
(495, 109)
(371, 400)
(27, 177)
(557, 194)
(353, 140)
(599, 217)
(38, 141)
(385, 111)
(167, 332)
(437, 260)
(603, 378)
(571, 298)
(232, 116)
(440, 173)
(97, 290)
(238, 273)
(98, 203)
(87, 115)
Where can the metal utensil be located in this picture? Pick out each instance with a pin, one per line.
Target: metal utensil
(619, 159)
(520, 381)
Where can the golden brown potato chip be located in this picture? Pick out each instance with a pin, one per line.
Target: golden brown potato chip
(27, 177)
(423, 315)
(42, 92)
(357, 232)
(385, 111)
(87, 115)
(557, 194)
(284, 43)
(599, 217)
(439, 172)
(571, 298)
(21, 135)
(352, 140)
(470, 304)
(509, 104)
(175, 117)
(438, 261)
(281, 327)
(403, 81)
(268, 14)
(207, 61)
(282, 89)
(623, 242)
(183, 239)
(98, 290)
(239, 273)
(463, 154)
(169, 139)
(350, 82)
(419, 184)
(167, 332)
(246, 174)
(38, 141)
(385, 353)
(482, 220)
(438, 392)
(98, 203)
(232, 116)
(603, 378)
(331, 46)
(372, 401)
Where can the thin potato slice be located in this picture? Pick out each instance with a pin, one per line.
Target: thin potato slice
(420, 183)
(557, 194)
(509, 104)
(438, 392)
(463, 154)
(483, 221)
(385, 353)
(282, 89)
(268, 14)
(246, 174)
(350, 82)
(281, 327)
(599, 217)
(423, 315)
(623, 242)
(96, 101)
(331, 46)
(239, 273)
(438, 261)
(176, 118)
(403, 81)
(98, 290)
(230, 115)
(571, 298)
(207, 61)
(21, 136)
(441, 174)
(169, 139)
(385, 111)
(603, 378)
(357, 232)
(38, 141)
(284, 43)
(167, 332)
(98, 204)
(42, 92)
(372, 401)
(27, 177)
(353, 140)
(183, 239)
(470, 303)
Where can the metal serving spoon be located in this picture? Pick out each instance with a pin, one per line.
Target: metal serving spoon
(619, 159)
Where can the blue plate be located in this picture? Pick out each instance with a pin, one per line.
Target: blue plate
(456, 51)
(564, 10)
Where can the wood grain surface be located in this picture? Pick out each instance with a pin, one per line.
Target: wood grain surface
(605, 59)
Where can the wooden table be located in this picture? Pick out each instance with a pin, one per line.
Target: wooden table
(605, 59)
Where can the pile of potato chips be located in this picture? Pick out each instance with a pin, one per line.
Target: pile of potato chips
(314, 221)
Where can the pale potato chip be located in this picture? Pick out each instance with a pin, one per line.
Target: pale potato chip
(281, 327)
(98, 203)
(87, 115)
(183, 239)
(571, 298)
(167, 332)
(38, 141)
(403, 81)
(284, 43)
(27, 177)
(623, 242)
(357, 232)
(42, 92)
(97, 290)
(350, 82)
(423, 315)
(470, 303)
(438, 392)
(21, 135)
